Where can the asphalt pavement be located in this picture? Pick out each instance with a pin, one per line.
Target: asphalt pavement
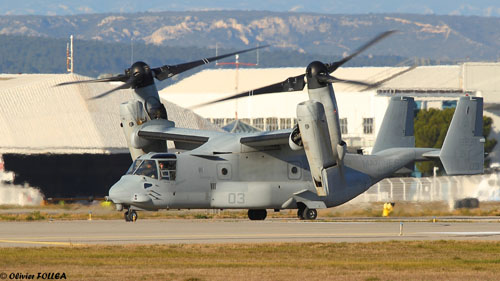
(153, 231)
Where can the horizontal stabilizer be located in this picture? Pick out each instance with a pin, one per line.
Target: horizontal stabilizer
(463, 148)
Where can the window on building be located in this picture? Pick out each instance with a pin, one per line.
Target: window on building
(368, 125)
(343, 125)
(258, 123)
(285, 123)
(271, 124)
(218, 122)
(449, 104)
(246, 121)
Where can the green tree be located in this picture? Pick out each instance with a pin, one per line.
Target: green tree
(431, 127)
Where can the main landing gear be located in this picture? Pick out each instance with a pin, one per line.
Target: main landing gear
(257, 215)
(305, 213)
(130, 215)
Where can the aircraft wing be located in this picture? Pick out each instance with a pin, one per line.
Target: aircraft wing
(184, 135)
(266, 138)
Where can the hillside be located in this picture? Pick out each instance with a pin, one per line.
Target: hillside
(24, 54)
(427, 36)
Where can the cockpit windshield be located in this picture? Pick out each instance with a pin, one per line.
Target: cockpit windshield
(167, 169)
(147, 168)
(134, 166)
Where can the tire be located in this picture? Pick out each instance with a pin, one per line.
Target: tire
(126, 216)
(300, 214)
(133, 216)
(310, 214)
(259, 214)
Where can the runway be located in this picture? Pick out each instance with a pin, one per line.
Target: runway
(118, 232)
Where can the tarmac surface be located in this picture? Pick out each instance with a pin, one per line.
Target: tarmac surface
(148, 231)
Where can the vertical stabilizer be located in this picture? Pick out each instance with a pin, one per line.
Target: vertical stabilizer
(397, 126)
(463, 147)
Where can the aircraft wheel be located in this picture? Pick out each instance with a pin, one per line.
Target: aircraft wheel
(300, 214)
(133, 216)
(126, 216)
(310, 214)
(257, 214)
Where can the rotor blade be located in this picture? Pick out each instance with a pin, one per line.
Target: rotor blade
(334, 65)
(379, 83)
(126, 85)
(325, 78)
(167, 71)
(291, 84)
(120, 78)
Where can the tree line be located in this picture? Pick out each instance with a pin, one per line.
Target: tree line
(23, 54)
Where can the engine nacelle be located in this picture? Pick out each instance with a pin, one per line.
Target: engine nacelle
(295, 139)
(315, 137)
(132, 116)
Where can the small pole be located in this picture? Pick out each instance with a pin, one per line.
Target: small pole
(216, 52)
(258, 45)
(90, 215)
(434, 219)
(131, 50)
(400, 229)
(72, 55)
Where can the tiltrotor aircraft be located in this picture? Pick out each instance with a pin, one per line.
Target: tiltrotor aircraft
(305, 168)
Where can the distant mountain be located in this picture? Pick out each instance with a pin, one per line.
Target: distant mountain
(423, 36)
(25, 54)
(71, 7)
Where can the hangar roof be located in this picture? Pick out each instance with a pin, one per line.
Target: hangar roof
(37, 117)
(209, 85)
(224, 80)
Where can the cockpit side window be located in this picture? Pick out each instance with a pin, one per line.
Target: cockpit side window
(167, 169)
(134, 167)
(147, 168)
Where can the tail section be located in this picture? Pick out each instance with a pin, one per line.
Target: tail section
(463, 148)
(397, 126)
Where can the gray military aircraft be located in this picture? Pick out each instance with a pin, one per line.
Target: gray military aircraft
(305, 168)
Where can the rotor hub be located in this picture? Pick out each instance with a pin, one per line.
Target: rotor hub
(141, 74)
(312, 70)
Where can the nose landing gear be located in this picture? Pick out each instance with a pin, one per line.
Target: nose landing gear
(130, 215)
(307, 214)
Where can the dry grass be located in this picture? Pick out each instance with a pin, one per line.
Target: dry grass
(411, 209)
(438, 260)
(81, 212)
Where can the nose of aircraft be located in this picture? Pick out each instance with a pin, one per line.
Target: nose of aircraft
(123, 190)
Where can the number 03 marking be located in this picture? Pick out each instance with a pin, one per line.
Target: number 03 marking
(236, 198)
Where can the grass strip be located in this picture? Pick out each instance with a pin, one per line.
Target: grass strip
(394, 260)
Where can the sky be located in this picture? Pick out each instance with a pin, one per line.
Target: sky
(486, 8)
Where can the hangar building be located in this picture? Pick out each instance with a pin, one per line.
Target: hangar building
(59, 140)
(361, 112)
